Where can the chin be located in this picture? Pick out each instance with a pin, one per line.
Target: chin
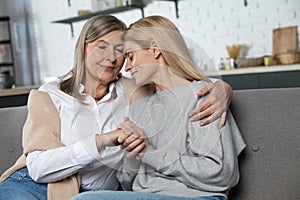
(141, 83)
(107, 78)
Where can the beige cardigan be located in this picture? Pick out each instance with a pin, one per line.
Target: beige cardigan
(41, 131)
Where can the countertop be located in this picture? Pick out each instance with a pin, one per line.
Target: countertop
(251, 70)
(17, 91)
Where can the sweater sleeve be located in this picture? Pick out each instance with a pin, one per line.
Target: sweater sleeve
(127, 172)
(209, 162)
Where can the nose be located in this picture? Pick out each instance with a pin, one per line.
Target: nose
(128, 66)
(111, 54)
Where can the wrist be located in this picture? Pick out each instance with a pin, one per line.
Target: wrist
(100, 142)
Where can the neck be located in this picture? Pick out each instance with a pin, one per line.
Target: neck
(166, 79)
(96, 90)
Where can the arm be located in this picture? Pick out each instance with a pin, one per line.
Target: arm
(41, 142)
(127, 172)
(64, 161)
(133, 142)
(215, 105)
(208, 164)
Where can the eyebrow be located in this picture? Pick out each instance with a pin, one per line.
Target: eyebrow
(128, 51)
(104, 41)
(99, 41)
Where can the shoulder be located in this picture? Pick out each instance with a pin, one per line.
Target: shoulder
(54, 92)
(188, 91)
(49, 86)
(39, 100)
(197, 85)
(132, 91)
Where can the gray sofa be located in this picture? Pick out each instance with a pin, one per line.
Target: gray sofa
(269, 120)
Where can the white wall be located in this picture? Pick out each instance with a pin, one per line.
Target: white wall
(209, 24)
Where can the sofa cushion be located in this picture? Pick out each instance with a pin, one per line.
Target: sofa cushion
(269, 120)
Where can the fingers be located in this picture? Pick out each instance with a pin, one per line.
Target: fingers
(207, 120)
(202, 110)
(205, 90)
(134, 148)
(131, 141)
(122, 138)
(130, 128)
(134, 154)
(132, 145)
(215, 105)
(222, 120)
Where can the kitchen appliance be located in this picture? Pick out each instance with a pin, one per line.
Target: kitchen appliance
(6, 80)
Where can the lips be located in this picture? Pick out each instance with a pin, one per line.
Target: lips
(133, 73)
(109, 68)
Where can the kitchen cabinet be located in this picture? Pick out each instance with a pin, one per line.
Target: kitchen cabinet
(15, 97)
(118, 9)
(261, 77)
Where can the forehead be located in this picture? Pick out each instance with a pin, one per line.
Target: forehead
(112, 37)
(131, 46)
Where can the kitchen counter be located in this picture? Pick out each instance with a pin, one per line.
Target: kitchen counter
(16, 96)
(17, 91)
(277, 76)
(251, 70)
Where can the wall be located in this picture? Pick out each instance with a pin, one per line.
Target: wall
(208, 25)
(24, 54)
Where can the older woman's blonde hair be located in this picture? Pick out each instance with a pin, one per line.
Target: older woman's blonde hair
(165, 35)
(93, 29)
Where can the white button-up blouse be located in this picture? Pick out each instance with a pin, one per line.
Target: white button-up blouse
(79, 125)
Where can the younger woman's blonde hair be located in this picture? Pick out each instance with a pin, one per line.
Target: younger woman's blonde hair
(165, 35)
(93, 29)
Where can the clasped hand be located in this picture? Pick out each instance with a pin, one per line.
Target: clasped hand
(133, 140)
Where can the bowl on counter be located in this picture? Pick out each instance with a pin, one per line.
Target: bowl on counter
(250, 62)
(288, 58)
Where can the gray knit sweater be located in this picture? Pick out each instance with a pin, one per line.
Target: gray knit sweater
(185, 159)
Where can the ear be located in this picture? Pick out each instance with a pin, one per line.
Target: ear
(155, 49)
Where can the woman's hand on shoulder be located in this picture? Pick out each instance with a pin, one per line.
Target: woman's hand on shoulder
(215, 105)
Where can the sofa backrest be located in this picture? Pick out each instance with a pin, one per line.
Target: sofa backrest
(12, 120)
(269, 120)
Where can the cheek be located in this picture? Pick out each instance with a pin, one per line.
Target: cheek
(93, 56)
(120, 60)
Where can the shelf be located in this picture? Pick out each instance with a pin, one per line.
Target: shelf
(6, 64)
(118, 9)
(4, 18)
(5, 41)
(71, 20)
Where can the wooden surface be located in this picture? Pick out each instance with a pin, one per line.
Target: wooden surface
(284, 40)
(252, 70)
(17, 91)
